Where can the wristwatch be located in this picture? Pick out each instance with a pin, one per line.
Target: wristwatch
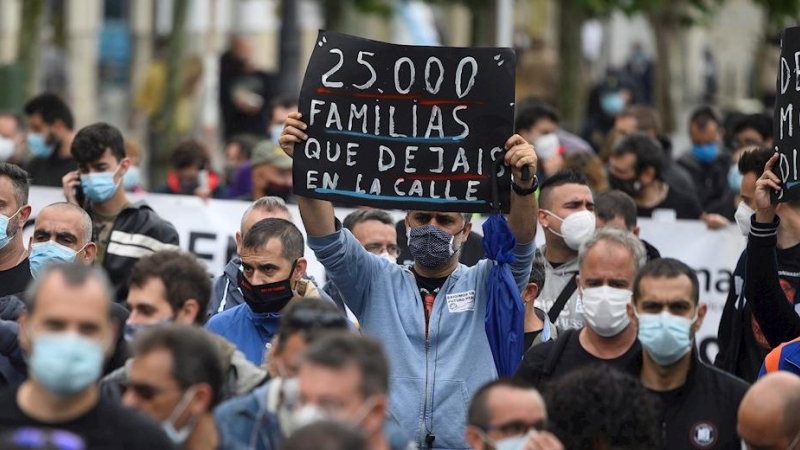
(521, 191)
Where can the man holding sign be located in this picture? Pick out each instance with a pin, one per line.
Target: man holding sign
(430, 317)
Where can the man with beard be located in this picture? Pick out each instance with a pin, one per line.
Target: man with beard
(271, 171)
(635, 169)
(50, 134)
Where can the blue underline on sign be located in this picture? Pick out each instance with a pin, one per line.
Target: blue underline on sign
(392, 198)
(430, 140)
(792, 184)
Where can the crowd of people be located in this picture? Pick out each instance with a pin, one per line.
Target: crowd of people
(112, 337)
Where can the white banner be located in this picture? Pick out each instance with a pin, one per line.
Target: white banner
(207, 229)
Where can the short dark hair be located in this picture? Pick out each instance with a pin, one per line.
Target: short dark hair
(189, 153)
(20, 181)
(532, 111)
(538, 272)
(284, 101)
(702, 116)
(666, 268)
(340, 350)
(74, 275)
(478, 413)
(624, 414)
(92, 141)
(51, 108)
(648, 152)
(195, 357)
(362, 215)
(326, 435)
(286, 232)
(611, 204)
(311, 316)
(246, 143)
(560, 178)
(760, 123)
(754, 160)
(183, 276)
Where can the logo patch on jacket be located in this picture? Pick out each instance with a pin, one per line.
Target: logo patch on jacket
(703, 435)
(461, 302)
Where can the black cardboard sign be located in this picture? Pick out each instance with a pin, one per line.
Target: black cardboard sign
(787, 116)
(404, 127)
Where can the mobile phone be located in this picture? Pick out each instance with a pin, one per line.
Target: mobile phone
(80, 197)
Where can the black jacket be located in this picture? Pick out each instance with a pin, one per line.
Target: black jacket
(702, 412)
(138, 231)
(711, 183)
(771, 307)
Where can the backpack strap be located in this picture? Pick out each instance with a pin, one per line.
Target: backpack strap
(561, 301)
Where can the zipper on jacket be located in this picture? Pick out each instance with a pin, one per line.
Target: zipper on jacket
(428, 435)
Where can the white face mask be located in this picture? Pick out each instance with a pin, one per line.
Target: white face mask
(178, 437)
(742, 216)
(576, 228)
(604, 309)
(546, 146)
(6, 148)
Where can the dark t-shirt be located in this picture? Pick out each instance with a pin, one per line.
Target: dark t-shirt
(533, 368)
(685, 207)
(15, 279)
(106, 426)
(50, 171)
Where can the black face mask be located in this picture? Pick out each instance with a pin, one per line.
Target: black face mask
(631, 187)
(267, 297)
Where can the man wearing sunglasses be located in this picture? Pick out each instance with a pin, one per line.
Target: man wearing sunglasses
(176, 378)
(769, 415)
(67, 333)
(123, 231)
(173, 287)
(508, 414)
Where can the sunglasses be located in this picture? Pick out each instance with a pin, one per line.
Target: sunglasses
(34, 438)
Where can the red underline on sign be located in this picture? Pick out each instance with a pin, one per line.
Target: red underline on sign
(448, 176)
(408, 97)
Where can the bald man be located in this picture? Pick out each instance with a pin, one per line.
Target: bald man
(769, 415)
(62, 232)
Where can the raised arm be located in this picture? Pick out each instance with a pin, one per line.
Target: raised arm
(318, 216)
(522, 216)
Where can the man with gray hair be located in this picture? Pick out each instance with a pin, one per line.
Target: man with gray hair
(68, 332)
(607, 265)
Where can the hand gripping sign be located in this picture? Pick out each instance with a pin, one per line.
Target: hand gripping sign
(404, 127)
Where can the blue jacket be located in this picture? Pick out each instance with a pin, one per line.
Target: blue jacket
(244, 422)
(250, 332)
(783, 357)
(431, 379)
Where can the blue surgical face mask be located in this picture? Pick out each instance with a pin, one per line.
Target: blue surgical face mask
(132, 178)
(430, 246)
(275, 132)
(705, 153)
(666, 337)
(44, 253)
(612, 103)
(132, 330)
(100, 187)
(735, 178)
(4, 221)
(37, 144)
(65, 363)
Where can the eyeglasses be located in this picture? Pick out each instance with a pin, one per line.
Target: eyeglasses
(377, 249)
(516, 427)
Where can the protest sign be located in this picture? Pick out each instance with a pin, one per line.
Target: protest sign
(404, 127)
(787, 116)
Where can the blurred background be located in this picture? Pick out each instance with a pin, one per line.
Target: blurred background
(213, 70)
